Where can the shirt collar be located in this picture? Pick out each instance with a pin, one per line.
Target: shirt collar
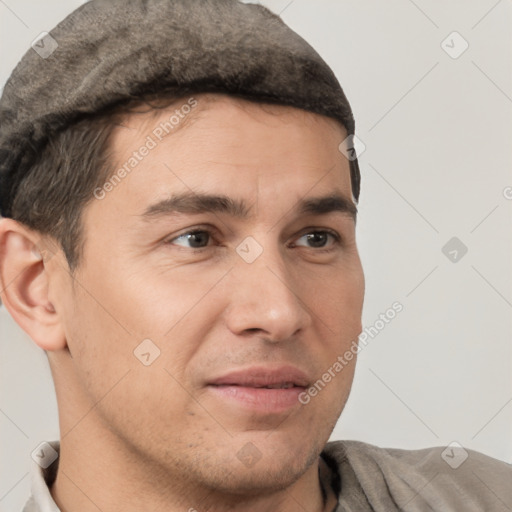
(41, 480)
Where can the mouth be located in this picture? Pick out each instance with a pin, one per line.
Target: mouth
(261, 389)
(279, 385)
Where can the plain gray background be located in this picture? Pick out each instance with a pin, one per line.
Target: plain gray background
(437, 165)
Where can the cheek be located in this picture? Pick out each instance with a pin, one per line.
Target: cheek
(337, 307)
(336, 300)
(100, 344)
(162, 298)
(134, 389)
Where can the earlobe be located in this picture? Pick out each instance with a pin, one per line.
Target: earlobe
(25, 272)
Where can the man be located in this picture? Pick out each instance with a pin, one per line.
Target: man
(179, 191)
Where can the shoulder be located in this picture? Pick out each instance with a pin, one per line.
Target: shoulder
(437, 477)
(452, 457)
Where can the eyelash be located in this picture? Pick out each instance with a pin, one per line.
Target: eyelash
(211, 234)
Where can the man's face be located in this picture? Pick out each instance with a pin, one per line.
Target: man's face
(250, 294)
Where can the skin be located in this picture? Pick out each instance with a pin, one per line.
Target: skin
(136, 437)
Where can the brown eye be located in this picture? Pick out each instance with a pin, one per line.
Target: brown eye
(195, 239)
(318, 239)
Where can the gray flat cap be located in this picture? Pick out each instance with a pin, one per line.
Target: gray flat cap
(111, 51)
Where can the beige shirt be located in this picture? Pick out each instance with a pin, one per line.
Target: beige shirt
(369, 478)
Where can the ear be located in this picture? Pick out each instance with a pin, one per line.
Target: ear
(25, 261)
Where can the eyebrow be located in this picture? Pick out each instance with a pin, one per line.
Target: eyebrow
(196, 203)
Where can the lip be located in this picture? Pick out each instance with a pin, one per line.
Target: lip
(246, 388)
(260, 376)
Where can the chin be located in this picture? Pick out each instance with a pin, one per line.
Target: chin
(253, 471)
(262, 479)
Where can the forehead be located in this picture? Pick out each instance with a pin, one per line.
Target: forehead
(225, 115)
(223, 143)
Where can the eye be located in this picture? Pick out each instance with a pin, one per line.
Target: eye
(200, 238)
(197, 239)
(319, 239)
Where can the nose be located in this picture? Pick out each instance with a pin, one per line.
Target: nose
(266, 299)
